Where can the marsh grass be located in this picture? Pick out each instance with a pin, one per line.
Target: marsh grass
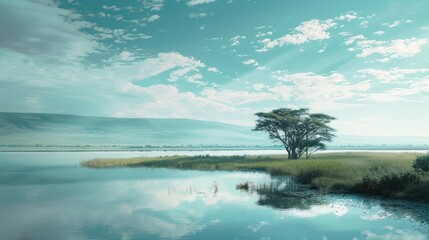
(333, 172)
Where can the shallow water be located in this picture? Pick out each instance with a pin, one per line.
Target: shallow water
(49, 196)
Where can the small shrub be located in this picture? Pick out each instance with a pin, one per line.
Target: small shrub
(392, 184)
(422, 163)
(419, 192)
(399, 181)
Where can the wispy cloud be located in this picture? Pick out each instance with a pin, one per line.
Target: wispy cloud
(311, 30)
(235, 41)
(347, 16)
(197, 15)
(153, 5)
(45, 31)
(252, 62)
(153, 18)
(389, 49)
(235, 97)
(124, 56)
(393, 74)
(198, 2)
(396, 23)
(321, 89)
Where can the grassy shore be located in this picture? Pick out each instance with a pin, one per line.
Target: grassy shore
(386, 174)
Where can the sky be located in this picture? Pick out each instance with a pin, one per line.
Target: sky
(364, 62)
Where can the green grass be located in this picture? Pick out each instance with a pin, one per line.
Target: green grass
(333, 172)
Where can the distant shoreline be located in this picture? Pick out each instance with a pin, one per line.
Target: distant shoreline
(416, 149)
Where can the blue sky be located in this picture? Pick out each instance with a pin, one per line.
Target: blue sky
(364, 62)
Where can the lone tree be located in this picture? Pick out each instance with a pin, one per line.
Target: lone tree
(299, 131)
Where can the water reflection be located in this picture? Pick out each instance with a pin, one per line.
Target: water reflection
(284, 193)
(299, 202)
(65, 201)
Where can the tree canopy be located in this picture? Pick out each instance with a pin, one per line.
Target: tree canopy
(299, 131)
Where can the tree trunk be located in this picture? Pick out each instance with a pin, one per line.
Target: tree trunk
(294, 154)
(306, 147)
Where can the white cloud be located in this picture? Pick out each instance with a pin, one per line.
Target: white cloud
(353, 39)
(41, 29)
(379, 33)
(124, 56)
(196, 78)
(120, 35)
(411, 93)
(169, 101)
(322, 50)
(282, 92)
(232, 97)
(235, 41)
(398, 48)
(192, 3)
(213, 69)
(393, 74)
(321, 90)
(178, 65)
(347, 17)
(364, 24)
(252, 62)
(63, 87)
(153, 5)
(263, 34)
(311, 30)
(113, 7)
(344, 34)
(197, 15)
(153, 18)
(396, 23)
(262, 68)
(258, 86)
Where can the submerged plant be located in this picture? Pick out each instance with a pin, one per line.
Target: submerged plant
(247, 186)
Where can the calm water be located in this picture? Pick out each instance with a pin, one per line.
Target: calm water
(49, 196)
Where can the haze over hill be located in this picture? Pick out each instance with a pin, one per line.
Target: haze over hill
(30, 129)
(58, 129)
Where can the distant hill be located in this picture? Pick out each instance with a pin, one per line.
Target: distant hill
(59, 129)
(50, 130)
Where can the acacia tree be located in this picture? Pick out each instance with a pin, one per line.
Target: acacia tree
(299, 131)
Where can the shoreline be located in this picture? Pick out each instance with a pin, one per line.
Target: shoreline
(389, 175)
(214, 150)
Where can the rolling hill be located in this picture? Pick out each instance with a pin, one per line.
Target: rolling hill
(21, 131)
(59, 129)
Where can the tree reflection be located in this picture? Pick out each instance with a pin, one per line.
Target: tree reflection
(284, 193)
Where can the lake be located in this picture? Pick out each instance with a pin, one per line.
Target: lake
(50, 196)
